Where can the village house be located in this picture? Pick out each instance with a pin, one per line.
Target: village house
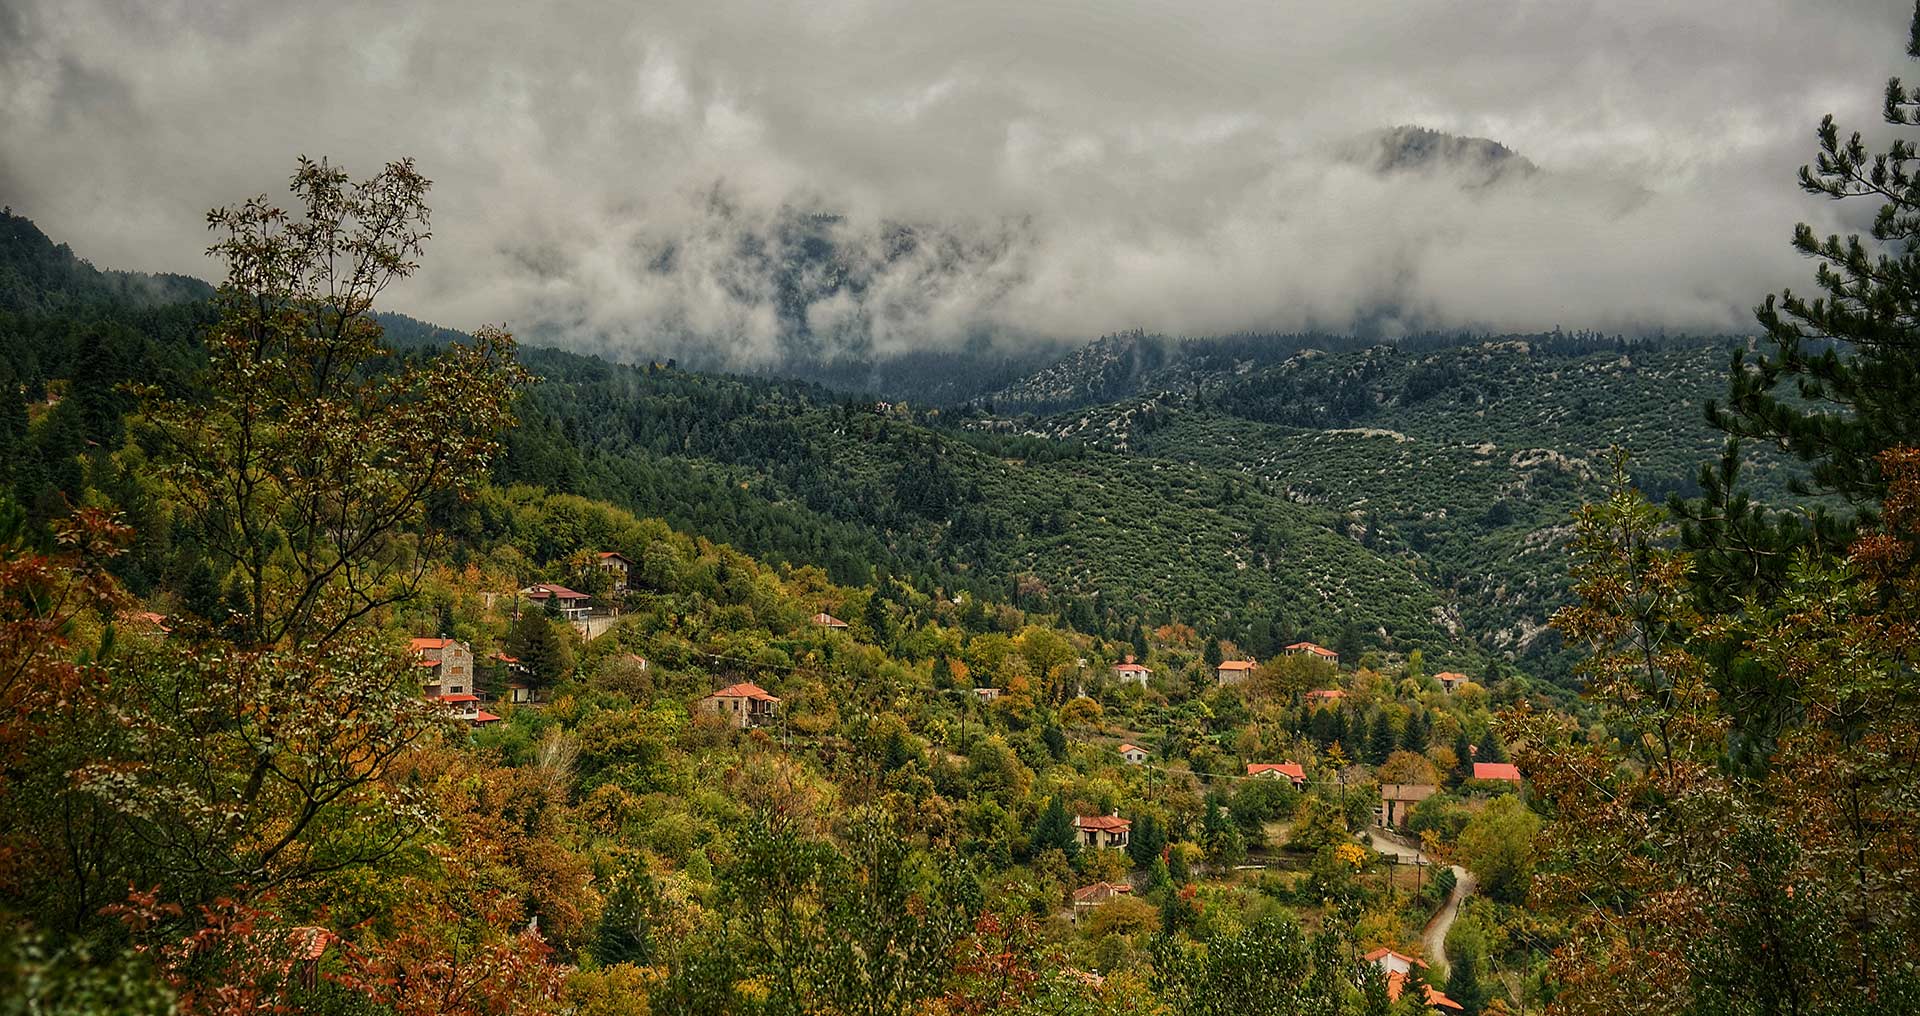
(1449, 680)
(1127, 670)
(986, 694)
(1102, 830)
(1230, 671)
(308, 945)
(1505, 771)
(826, 620)
(1309, 649)
(147, 619)
(1088, 897)
(446, 676)
(572, 604)
(1397, 967)
(744, 705)
(517, 690)
(1325, 696)
(1134, 754)
(1274, 770)
(615, 564)
(1397, 801)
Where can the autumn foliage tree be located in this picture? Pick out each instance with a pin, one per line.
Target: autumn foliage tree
(1696, 885)
(238, 768)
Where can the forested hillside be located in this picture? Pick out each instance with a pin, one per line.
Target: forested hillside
(1258, 488)
(1463, 461)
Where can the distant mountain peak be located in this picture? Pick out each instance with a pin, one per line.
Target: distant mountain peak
(1413, 149)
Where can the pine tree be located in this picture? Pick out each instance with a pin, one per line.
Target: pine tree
(942, 672)
(1055, 829)
(1055, 740)
(1380, 742)
(200, 596)
(1337, 729)
(1463, 976)
(879, 619)
(1417, 733)
(1348, 644)
(1463, 759)
(625, 934)
(1839, 381)
(1146, 840)
(1211, 654)
(533, 641)
(1491, 750)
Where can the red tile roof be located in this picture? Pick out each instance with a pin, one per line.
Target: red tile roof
(504, 658)
(1436, 999)
(484, 717)
(1311, 648)
(309, 942)
(1496, 771)
(1326, 693)
(1290, 769)
(1099, 891)
(417, 645)
(158, 621)
(1103, 823)
(1383, 952)
(826, 620)
(1449, 676)
(745, 690)
(542, 590)
(1236, 665)
(462, 697)
(1132, 747)
(608, 555)
(1131, 668)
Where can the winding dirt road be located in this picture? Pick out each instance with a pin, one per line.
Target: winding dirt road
(1434, 939)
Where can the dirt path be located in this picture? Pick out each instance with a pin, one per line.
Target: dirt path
(1434, 939)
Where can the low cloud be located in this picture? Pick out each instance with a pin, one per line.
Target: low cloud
(733, 182)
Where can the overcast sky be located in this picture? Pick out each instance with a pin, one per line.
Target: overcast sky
(1086, 167)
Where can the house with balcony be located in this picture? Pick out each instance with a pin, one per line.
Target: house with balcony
(744, 705)
(446, 677)
(572, 604)
(1102, 831)
(617, 565)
